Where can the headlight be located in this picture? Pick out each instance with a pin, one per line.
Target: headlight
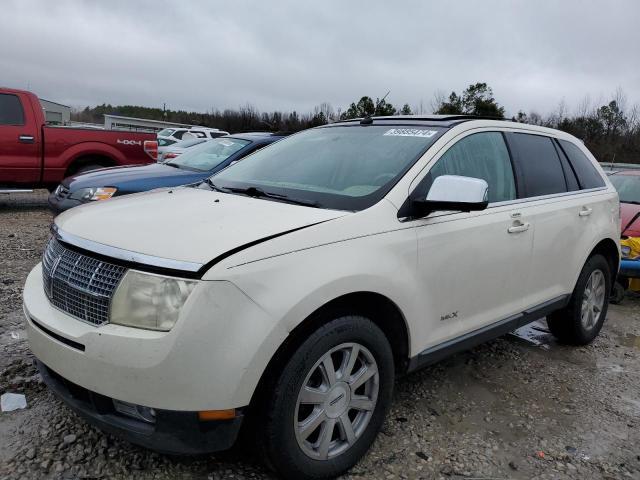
(626, 251)
(94, 193)
(145, 300)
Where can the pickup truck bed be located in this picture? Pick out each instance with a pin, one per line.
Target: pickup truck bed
(34, 155)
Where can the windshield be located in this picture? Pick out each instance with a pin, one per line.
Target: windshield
(209, 155)
(628, 187)
(167, 132)
(165, 142)
(342, 167)
(189, 142)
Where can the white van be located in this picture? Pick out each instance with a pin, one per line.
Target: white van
(292, 288)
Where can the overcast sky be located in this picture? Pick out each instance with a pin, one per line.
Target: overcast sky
(293, 54)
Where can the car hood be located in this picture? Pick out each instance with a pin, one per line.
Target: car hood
(123, 177)
(627, 212)
(186, 224)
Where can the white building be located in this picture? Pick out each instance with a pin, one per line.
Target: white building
(118, 122)
(55, 113)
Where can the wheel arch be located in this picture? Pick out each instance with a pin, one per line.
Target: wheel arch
(89, 159)
(375, 306)
(608, 248)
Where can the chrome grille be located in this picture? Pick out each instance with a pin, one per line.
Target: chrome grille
(79, 285)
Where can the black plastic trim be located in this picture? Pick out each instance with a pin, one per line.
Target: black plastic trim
(469, 340)
(174, 432)
(60, 338)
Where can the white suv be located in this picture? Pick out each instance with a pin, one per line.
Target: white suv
(290, 290)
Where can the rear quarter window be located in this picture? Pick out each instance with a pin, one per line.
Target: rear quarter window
(538, 163)
(11, 112)
(587, 174)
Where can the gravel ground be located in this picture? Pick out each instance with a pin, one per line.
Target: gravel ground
(518, 407)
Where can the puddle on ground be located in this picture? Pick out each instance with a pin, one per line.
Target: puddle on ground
(611, 367)
(630, 340)
(536, 334)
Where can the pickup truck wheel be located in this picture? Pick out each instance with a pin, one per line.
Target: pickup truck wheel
(581, 320)
(329, 401)
(88, 168)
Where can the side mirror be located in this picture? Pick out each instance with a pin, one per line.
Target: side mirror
(454, 193)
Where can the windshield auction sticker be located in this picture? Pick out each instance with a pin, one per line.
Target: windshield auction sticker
(410, 132)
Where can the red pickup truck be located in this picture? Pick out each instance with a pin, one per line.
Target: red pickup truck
(35, 155)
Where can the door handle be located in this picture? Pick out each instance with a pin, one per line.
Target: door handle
(519, 227)
(26, 139)
(585, 212)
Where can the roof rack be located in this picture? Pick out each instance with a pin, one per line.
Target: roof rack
(445, 119)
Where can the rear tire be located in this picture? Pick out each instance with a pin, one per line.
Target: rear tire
(317, 424)
(581, 320)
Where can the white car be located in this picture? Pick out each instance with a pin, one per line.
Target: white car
(290, 290)
(169, 136)
(178, 148)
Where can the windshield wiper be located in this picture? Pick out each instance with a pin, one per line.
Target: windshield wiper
(259, 193)
(213, 186)
(171, 164)
(632, 202)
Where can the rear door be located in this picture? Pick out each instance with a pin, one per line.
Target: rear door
(561, 210)
(19, 146)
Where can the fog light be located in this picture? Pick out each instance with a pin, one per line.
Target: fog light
(146, 414)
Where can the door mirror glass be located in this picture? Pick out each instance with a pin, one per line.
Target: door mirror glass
(454, 193)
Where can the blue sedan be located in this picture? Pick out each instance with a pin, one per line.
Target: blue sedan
(198, 163)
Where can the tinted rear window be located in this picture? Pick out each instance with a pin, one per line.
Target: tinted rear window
(538, 164)
(10, 110)
(587, 174)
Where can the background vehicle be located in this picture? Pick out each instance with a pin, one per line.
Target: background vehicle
(294, 285)
(168, 136)
(35, 155)
(200, 161)
(178, 148)
(627, 183)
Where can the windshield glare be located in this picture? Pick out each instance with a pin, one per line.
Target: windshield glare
(189, 143)
(167, 132)
(210, 154)
(628, 187)
(341, 167)
(165, 142)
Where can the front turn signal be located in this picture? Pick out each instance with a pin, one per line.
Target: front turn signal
(210, 415)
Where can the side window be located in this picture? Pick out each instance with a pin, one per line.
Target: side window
(569, 175)
(11, 112)
(539, 164)
(481, 155)
(587, 174)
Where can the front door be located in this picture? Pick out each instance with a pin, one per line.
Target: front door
(474, 266)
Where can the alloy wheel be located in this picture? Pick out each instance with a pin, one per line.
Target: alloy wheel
(593, 299)
(336, 401)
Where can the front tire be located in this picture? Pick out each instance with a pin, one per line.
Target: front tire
(326, 406)
(582, 319)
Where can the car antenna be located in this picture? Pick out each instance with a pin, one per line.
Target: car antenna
(368, 120)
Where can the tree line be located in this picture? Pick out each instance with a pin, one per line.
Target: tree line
(610, 129)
